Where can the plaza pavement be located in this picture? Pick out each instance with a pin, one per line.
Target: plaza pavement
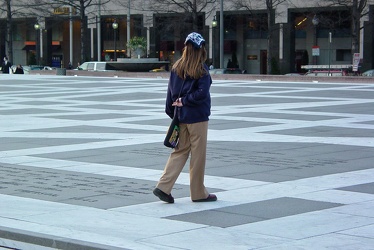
(290, 162)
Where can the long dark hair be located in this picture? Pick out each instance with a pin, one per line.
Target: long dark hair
(191, 63)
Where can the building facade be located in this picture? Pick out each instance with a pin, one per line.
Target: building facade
(302, 33)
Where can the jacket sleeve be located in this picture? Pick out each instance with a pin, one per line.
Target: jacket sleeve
(169, 109)
(198, 92)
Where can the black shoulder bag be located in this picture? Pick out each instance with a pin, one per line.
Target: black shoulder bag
(172, 136)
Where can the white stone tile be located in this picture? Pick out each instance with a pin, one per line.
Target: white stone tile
(326, 242)
(360, 209)
(161, 209)
(307, 225)
(337, 180)
(17, 159)
(264, 192)
(69, 234)
(19, 207)
(336, 196)
(365, 232)
(111, 223)
(215, 238)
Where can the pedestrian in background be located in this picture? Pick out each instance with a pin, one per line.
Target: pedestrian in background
(193, 110)
(211, 66)
(6, 66)
(18, 70)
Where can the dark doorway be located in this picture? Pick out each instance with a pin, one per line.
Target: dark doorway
(302, 58)
(263, 62)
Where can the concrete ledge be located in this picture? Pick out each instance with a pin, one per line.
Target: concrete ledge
(49, 241)
(240, 77)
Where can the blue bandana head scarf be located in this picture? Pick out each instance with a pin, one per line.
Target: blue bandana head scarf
(195, 39)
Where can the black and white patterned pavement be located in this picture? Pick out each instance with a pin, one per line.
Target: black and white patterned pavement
(292, 164)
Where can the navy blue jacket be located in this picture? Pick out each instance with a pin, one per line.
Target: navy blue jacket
(195, 98)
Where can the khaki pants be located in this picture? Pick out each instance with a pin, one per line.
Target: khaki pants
(192, 139)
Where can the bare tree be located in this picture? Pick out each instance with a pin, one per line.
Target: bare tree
(357, 8)
(187, 11)
(6, 7)
(42, 8)
(173, 17)
(80, 6)
(11, 9)
(270, 6)
(349, 14)
(9, 36)
(190, 9)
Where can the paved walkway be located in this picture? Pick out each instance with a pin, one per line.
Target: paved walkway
(291, 164)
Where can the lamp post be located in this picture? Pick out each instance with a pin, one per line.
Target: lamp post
(214, 25)
(115, 27)
(128, 22)
(98, 28)
(37, 43)
(315, 22)
(330, 41)
(221, 34)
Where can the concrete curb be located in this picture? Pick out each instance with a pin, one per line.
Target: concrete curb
(240, 77)
(49, 241)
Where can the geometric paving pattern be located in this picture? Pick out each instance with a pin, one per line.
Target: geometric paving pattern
(290, 162)
(74, 188)
(254, 212)
(362, 188)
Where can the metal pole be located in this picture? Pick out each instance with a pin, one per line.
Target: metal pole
(330, 40)
(71, 34)
(221, 29)
(148, 41)
(315, 44)
(37, 43)
(92, 44)
(41, 45)
(37, 46)
(315, 22)
(128, 28)
(115, 44)
(98, 28)
(213, 47)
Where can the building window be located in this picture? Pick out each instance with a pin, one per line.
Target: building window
(17, 36)
(256, 27)
(343, 55)
(107, 29)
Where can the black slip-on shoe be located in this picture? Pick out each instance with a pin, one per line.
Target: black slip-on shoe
(211, 197)
(163, 196)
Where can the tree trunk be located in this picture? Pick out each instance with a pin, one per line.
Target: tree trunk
(9, 37)
(355, 27)
(269, 7)
(83, 31)
(194, 16)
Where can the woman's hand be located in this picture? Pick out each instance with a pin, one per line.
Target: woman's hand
(178, 103)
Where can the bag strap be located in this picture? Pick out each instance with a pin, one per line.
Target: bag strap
(179, 95)
(180, 91)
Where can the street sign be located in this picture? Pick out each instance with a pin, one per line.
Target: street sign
(356, 61)
(315, 50)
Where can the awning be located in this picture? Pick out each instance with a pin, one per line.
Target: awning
(32, 47)
(29, 47)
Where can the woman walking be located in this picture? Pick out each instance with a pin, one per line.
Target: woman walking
(190, 75)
